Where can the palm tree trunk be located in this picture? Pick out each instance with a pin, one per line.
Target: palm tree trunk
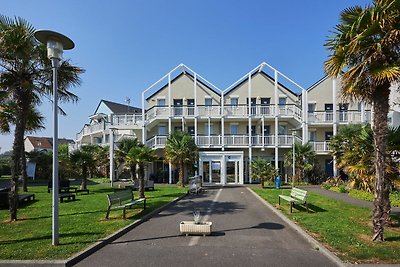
(84, 178)
(23, 170)
(181, 170)
(16, 159)
(141, 181)
(381, 212)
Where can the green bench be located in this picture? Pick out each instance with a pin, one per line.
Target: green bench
(297, 196)
(122, 200)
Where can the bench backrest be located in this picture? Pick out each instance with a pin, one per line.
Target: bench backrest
(119, 197)
(299, 194)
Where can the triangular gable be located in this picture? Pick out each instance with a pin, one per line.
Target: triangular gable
(178, 77)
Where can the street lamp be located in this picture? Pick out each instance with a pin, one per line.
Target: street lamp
(112, 130)
(294, 157)
(56, 43)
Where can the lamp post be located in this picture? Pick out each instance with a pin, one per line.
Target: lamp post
(294, 157)
(56, 43)
(112, 129)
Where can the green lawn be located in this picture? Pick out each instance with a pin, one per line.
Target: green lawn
(344, 228)
(82, 222)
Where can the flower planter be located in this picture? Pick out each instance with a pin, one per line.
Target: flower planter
(191, 228)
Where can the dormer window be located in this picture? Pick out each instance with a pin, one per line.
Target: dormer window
(161, 102)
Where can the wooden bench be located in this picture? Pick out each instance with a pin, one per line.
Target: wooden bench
(297, 196)
(26, 197)
(122, 200)
(68, 196)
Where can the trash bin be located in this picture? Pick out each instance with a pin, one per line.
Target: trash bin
(278, 182)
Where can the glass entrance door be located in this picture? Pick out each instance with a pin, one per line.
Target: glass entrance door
(232, 172)
(206, 172)
(215, 172)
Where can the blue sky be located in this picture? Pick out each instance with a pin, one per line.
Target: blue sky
(125, 46)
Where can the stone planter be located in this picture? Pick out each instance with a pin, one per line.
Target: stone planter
(191, 228)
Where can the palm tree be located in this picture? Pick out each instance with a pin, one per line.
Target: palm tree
(34, 123)
(25, 75)
(83, 160)
(181, 150)
(365, 54)
(145, 156)
(262, 169)
(304, 160)
(122, 156)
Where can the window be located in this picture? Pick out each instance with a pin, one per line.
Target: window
(265, 101)
(253, 130)
(234, 128)
(208, 102)
(206, 129)
(178, 107)
(177, 129)
(190, 130)
(190, 109)
(282, 129)
(312, 136)
(267, 130)
(311, 107)
(235, 101)
(162, 130)
(328, 135)
(282, 101)
(343, 107)
(161, 102)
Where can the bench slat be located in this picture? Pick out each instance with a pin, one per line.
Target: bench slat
(297, 195)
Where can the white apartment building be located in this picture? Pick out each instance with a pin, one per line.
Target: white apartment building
(260, 115)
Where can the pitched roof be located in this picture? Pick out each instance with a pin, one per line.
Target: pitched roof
(118, 108)
(267, 76)
(46, 142)
(176, 78)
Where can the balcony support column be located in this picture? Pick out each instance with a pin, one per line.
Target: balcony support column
(335, 122)
(222, 122)
(111, 157)
(276, 99)
(170, 172)
(250, 160)
(169, 105)
(363, 120)
(262, 132)
(249, 108)
(144, 137)
(209, 131)
(304, 125)
(195, 130)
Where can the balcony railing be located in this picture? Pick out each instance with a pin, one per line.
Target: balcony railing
(126, 119)
(228, 110)
(230, 141)
(320, 146)
(342, 117)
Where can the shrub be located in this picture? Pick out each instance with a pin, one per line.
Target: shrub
(342, 188)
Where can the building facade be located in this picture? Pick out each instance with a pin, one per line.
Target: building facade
(261, 115)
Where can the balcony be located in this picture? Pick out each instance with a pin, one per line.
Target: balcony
(236, 111)
(320, 147)
(243, 141)
(90, 129)
(126, 119)
(342, 117)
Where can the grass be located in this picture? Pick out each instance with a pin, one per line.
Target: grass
(82, 222)
(344, 228)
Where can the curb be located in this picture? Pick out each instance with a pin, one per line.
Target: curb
(311, 240)
(74, 259)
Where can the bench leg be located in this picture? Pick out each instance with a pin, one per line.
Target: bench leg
(279, 201)
(144, 204)
(124, 216)
(61, 199)
(108, 212)
(291, 207)
(307, 207)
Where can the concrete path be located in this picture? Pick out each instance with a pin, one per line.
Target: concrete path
(345, 197)
(245, 233)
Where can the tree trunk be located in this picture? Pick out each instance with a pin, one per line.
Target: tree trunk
(381, 212)
(141, 181)
(23, 170)
(181, 170)
(84, 178)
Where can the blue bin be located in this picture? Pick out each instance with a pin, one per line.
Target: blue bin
(278, 182)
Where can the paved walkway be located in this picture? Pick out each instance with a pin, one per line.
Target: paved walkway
(345, 197)
(245, 233)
